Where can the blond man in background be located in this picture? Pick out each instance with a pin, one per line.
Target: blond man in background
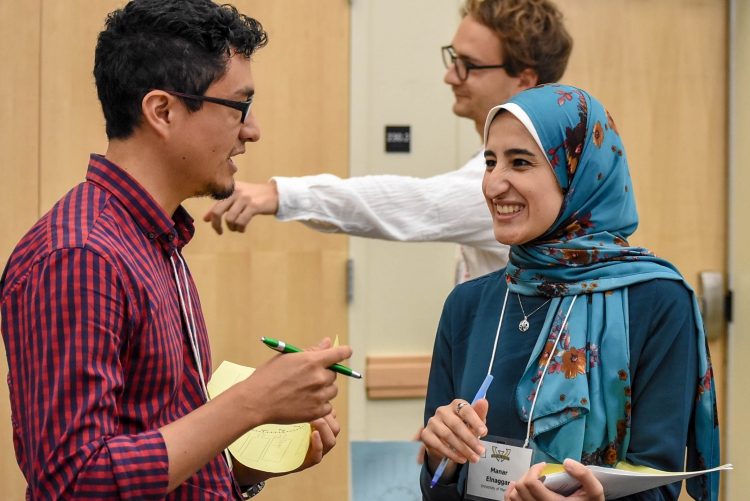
(501, 47)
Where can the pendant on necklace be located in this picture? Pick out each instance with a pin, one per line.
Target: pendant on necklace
(523, 326)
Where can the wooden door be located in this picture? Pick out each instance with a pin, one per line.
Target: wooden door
(279, 280)
(19, 174)
(284, 280)
(660, 68)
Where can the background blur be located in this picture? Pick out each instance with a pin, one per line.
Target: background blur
(673, 73)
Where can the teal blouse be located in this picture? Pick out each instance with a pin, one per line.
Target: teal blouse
(663, 355)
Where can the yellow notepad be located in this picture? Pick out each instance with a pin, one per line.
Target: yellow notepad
(273, 448)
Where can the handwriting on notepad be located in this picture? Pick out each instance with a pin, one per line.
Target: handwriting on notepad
(272, 448)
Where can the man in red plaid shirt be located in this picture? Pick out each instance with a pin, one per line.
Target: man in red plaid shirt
(102, 324)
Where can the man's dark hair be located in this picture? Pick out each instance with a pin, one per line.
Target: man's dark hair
(177, 45)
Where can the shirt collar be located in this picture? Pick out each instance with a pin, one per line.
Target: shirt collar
(171, 232)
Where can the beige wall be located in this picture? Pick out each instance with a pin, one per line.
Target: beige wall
(283, 280)
(397, 79)
(20, 24)
(738, 433)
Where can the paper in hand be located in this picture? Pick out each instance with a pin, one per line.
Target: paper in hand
(622, 480)
(273, 448)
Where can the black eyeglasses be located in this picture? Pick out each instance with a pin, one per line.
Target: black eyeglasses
(242, 106)
(462, 67)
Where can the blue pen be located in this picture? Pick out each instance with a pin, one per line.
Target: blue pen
(480, 394)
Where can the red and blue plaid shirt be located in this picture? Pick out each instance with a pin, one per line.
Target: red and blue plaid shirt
(98, 352)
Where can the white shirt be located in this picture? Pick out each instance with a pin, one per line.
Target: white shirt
(445, 208)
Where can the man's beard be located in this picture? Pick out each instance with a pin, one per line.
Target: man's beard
(217, 192)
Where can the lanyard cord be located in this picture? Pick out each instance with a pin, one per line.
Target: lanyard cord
(190, 323)
(189, 320)
(497, 336)
(549, 359)
(541, 379)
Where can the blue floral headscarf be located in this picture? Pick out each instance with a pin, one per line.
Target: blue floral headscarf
(586, 252)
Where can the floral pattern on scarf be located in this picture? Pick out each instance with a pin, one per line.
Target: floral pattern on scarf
(584, 406)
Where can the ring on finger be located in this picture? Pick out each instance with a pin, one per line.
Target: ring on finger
(460, 406)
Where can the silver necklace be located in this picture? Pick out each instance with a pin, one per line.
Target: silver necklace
(523, 325)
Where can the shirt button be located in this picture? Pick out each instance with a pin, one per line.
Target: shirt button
(170, 237)
(151, 235)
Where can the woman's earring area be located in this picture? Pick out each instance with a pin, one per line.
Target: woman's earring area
(523, 325)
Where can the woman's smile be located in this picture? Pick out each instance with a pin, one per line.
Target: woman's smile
(520, 188)
(506, 211)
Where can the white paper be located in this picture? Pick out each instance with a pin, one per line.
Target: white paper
(620, 483)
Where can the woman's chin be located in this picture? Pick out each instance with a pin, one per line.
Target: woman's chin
(507, 241)
(511, 239)
(519, 232)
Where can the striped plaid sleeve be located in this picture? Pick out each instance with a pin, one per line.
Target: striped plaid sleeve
(68, 326)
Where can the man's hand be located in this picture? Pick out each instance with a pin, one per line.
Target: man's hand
(530, 488)
(247, 201)
(322, 440)
(294, 387)
(418, 438)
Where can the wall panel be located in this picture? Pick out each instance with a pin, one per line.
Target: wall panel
(19, 174)
(72, 125)
(738, 484)
(284, 280)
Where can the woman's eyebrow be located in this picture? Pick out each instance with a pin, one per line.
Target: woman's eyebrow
(489, 153)
(518, 151)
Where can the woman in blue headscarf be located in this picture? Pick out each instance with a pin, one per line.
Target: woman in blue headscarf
(612, 331)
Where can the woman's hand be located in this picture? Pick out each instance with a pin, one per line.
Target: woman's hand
(530, 488)
(453, 434)
(418, 438)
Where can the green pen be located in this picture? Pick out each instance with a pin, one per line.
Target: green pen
(282, 347)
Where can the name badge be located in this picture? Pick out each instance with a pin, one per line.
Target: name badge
(504, 461)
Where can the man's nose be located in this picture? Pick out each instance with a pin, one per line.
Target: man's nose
(250, 131)
(451, 77)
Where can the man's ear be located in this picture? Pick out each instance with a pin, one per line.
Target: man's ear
(527, 79)
(159, 109)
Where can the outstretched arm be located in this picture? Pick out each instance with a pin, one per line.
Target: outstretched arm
(449, 207)
(247, 201)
